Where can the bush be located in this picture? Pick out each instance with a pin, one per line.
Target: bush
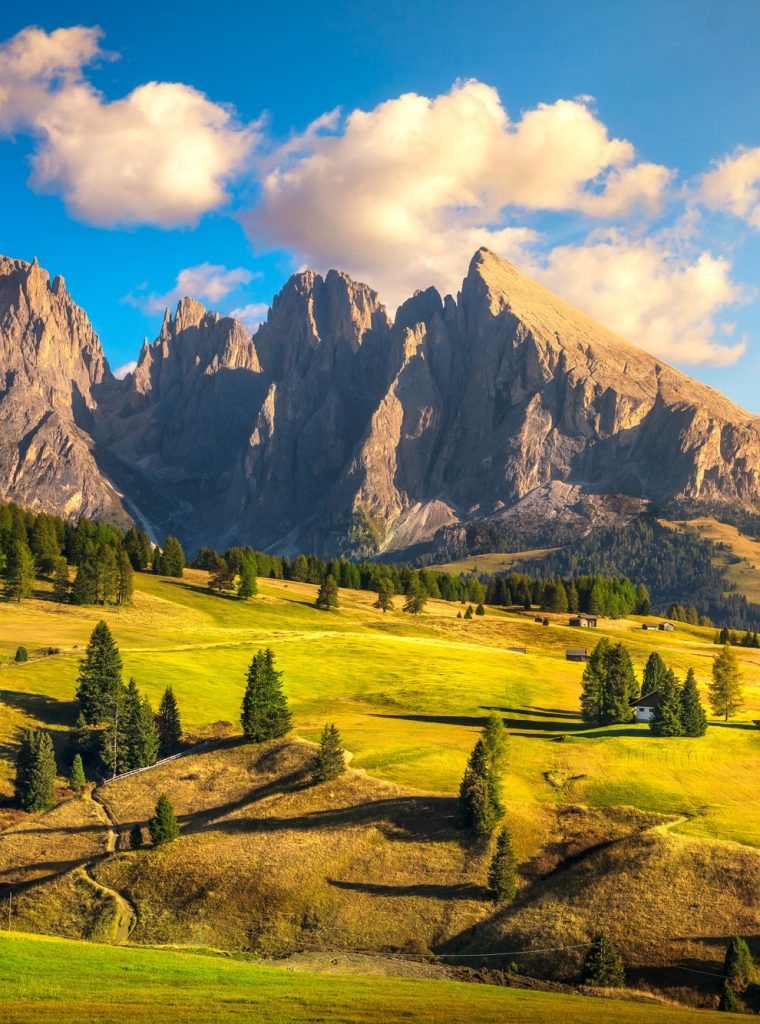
(21, 654)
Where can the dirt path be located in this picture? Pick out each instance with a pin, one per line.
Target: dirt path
(126, 913)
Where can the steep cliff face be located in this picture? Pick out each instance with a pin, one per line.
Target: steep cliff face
(52, 370)
(334, 429)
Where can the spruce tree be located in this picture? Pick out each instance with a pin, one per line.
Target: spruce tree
(84, 590)
(248, 585)
(21, 654)
(468, 612)
(385, 592)
(327, 598)
(61, 584)
(693, 717)
(729, 1001)
(726, 688)
(666, 718)
(502, 873)
(99, 676)
(35, 771)
(264, 715)
(107, 575)
(173, 558)
(480, 610)
(643, 600)
(163, 825)
(81, 737)
(608, 685)
(480, 809)
(19, 571)
(416, 597)
(330, 762)
(593, 684)
(138, 734)
(169, 724)
(655, 672)
(125, 586)
(738, 964)
(603, 967)
(77, 780)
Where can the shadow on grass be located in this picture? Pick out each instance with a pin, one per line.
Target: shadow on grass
(443, 892)
(45, 710)
(752, 726)
(535, 712)
(521, 725)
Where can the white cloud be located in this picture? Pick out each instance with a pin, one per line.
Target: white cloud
(163, 155)
(402, 195)
(207, 281)
(251, 315)
(649, 293)
(121, 371)
(733, 186)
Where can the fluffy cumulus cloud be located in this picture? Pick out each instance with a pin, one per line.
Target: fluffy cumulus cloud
(208, 282)
(122, 371)
(164, 154)
(404, 193)
(733, 186)
(252, 314)
(650, 292)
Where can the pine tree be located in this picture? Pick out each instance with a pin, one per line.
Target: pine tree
(163, 825)
(77, 780)
(35, 771)
(169, 724)
(125, 586)
(21, 654)
(502, 873)
(738, 964)
(330, 762)
(480, 808)
(608, 685)
(416, 597)
(385, 592)
(480, 610)
(693, 717)
(19, 571)
(265, 714)
(729, 1001)
(327, 598)
(138, 734)
(61, 584)
(85, 587)
(643, 600)
(603, 967)
(173, 558)
(666, 719)
(468, 612)
(107, 575)
(655, 672)
(99, 676)
(726, 689)
(248, 585)
(81, 736)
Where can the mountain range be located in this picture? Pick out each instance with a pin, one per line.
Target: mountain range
(335, 429)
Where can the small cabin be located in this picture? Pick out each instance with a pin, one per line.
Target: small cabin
(668, 627)
(643, 708)
(584, 621)
(649, 625)
(577, 654)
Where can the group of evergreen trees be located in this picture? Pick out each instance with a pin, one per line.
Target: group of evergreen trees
(609, 685)
(117, 719)
(737, 975)
(679, 711)
(612, 596)
(35, 771)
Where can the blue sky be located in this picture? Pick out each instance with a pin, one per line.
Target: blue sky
(574, 138)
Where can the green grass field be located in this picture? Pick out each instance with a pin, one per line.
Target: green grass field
(407, 694)
(44, 979)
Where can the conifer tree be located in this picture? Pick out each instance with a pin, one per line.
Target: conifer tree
(125, 586)
(35, 771)
(603, 967)
(77, 780)
(385, 592)
(480, 807)
(85, 587)
(608, 685)
(248, 585)
(330, 762)
(81, 736)
(655, 672)
(666, 718)
(107, 575)
(172, 558)
(61, 584)
(738, 964)
(502, 873)
(19, 571)
(327, 598)
(416, 597)
(100, 682)
(163, 825)
(21, 654)
(693, 717)
(726, 689)
(222, 579)
(265, 714)
(169, 724)
(468, 612)
(138, 735)
(729, 1001)
(480, 610)
(643, 600)
(135, 837)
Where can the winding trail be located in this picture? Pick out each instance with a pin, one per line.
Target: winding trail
(126, 912)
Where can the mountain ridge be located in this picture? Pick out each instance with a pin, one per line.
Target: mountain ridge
(337, 429)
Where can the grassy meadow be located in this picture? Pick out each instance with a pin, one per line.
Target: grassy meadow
(45, 980)
(408, 694)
